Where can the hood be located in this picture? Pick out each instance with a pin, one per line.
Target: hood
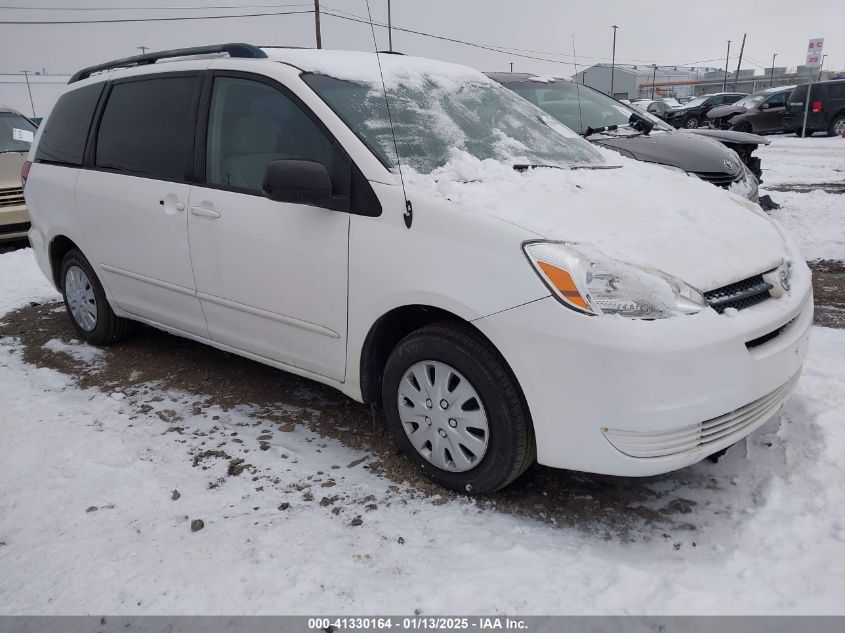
(640, 214)
(680, 149)
(725, 110)
(734, 138)
(10, 169)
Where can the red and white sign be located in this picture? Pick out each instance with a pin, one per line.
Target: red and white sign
(814, 52)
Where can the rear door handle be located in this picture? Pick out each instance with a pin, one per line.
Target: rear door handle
(204, 212)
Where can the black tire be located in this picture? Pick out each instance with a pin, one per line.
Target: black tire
(692, 123)
(837, 121)
(109, 327)
(511, 448)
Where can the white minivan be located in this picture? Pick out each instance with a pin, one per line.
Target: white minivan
(416, 235)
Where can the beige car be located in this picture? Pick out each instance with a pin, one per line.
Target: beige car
(16, 133)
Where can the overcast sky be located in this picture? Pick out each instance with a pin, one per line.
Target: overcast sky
(667, 33)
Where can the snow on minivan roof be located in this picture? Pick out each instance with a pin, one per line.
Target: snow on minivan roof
(364, 66)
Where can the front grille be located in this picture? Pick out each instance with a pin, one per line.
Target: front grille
(11, 197)
(740, 295)
(20, 227)
(718, 178)
(725, 429)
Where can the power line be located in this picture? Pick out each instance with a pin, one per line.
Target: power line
(146, 8)
(347, 15)
(161, 19)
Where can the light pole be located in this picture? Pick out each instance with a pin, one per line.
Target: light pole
(389, 29)
(511, 66)
(772, 77)
(821, 66)
(143, 49)
(613, 60)
(653, 79)
(29, 90)
(727, 57)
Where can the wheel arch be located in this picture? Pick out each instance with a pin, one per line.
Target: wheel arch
(396, 324)
(60, 246)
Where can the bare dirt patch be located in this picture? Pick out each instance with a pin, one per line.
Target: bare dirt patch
(829, 292)
(610, 507)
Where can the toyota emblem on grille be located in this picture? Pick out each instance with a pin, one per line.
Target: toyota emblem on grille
(729, 164)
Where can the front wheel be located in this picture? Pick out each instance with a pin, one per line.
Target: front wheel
(456, 411)
(692, 123)
(743, 126)
(837, 126)
(86, 303)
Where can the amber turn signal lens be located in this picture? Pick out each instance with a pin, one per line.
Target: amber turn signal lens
(564, 284)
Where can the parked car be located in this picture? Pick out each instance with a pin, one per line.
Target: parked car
(512, 294)
(759, 113)
(826, 112)
(607, 122)
(683, 100)
(694, 112)
(16, 134)
(657, 108)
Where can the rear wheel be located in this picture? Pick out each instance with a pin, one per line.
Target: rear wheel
(692, 122)
(455, 410)
(86, 303)
(837, 126)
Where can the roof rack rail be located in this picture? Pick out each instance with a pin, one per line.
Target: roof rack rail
(234, 50)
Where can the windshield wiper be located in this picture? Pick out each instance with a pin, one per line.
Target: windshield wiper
(523, 167)
(598, 130)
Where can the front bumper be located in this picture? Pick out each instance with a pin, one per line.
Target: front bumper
(635, 398)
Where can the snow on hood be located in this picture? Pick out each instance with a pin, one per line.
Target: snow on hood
(641, 214)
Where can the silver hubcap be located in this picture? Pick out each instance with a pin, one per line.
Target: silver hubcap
(443, 416)
(80, 298)
(839, 127)
(692, 123)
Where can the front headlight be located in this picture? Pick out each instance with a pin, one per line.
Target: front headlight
(587, 281)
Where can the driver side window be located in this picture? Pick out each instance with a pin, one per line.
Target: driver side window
(251, 124)
(778, 101)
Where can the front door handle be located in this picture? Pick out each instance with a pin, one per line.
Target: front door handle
(203, 212)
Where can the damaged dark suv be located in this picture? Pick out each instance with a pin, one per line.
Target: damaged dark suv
(641, 136)
(760, 113)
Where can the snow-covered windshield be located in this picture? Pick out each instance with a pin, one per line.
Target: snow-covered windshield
(694, 103)
(437, 108)
(16, 133)
(750, 101)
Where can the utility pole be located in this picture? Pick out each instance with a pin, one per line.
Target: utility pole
(772, 78)
(613, 60)
(143, 49)
(389, 29)
(317, 23)
(727, 57)
(511, 66)
(29, 90)
(739, 63)
(653, 79)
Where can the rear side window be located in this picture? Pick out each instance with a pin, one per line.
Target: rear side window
(146, 127)
(836, 91)
(63, 139)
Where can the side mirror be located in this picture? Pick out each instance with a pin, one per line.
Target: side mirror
(764, 106)
(298, 181)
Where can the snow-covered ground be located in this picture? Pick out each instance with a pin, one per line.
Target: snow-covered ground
(790, 159)
(90, 522)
